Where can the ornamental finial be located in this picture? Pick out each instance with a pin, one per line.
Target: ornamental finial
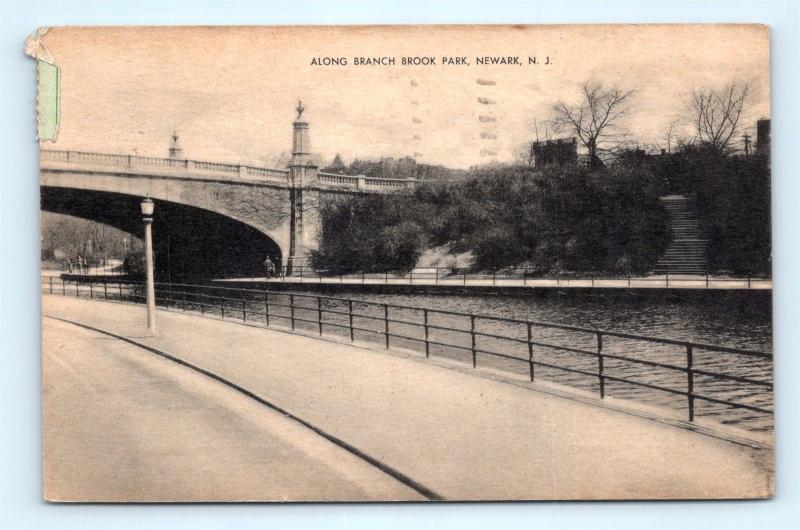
(300, 109)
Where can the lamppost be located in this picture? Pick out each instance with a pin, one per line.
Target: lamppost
(147, 212)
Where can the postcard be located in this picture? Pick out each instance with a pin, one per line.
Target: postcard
(405, 263)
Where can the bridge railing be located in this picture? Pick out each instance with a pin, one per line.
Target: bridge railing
(223, 169)
(336, 179)
(267, 173)
(721, 378)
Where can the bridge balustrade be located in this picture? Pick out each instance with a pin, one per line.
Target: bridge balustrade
(281, 175)
(218, 168)
(336, 179)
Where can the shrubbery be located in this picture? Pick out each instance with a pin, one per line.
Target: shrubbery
(370, 232)
(732, 199)
(134, 265)
(558, 219)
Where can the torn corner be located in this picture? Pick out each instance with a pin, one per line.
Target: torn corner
(48, 86)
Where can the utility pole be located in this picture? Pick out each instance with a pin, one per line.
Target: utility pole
(746, 144)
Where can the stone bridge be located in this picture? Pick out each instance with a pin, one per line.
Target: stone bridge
(211, 218)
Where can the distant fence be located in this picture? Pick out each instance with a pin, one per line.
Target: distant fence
(721, 376)
(518, 275)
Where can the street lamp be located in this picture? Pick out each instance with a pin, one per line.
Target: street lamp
(147, 211)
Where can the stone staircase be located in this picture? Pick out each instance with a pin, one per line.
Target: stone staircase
(686, 252)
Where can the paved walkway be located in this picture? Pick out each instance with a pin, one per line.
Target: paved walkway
(650, 282)
(461, 436)
(126, 425)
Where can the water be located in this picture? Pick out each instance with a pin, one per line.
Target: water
(721, 318)
(732, 319)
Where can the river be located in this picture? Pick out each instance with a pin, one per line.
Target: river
(736, 319)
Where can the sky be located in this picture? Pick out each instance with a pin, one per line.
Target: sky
(231, 92)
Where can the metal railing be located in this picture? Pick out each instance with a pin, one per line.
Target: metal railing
(578, 351)
(520, 275)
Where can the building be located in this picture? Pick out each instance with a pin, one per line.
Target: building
(763, 136)
(559, 152)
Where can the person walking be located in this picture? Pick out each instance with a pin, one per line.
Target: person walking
(270, 267)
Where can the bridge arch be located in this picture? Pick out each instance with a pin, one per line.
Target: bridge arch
(190, 242)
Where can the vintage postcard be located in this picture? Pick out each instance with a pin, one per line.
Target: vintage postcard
(405, 263)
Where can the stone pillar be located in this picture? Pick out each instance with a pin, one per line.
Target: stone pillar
(302, 174)
(175, 149)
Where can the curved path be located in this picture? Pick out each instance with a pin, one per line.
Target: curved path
(462, 436)
(126, 425)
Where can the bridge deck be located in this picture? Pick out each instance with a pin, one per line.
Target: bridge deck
(461, 436)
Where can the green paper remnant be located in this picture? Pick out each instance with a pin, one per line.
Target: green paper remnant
(48, 96)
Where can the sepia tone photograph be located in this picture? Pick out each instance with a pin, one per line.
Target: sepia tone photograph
(405, 263)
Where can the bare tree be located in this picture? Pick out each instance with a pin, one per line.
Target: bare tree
(595, 119)
(716, 113)
(670, 137)
(545, 130)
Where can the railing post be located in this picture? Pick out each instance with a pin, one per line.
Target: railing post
(472, 335)
(244, 311)
(202, 302)
(91, 289)
(120, 290)
(222, 307)
(494, 277)
(427, 344)
(266, 307)
(600, 365)
(667, 277)
(291, 308)
(319, 313)
(706, 275)
(530, 349)
(690, 379)
(411, 276)
(350, 315)
(77, 291)
(437, 276)
(51, 284)
(63, 287)
(386, 324)
(465, 276)
(105, 288)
